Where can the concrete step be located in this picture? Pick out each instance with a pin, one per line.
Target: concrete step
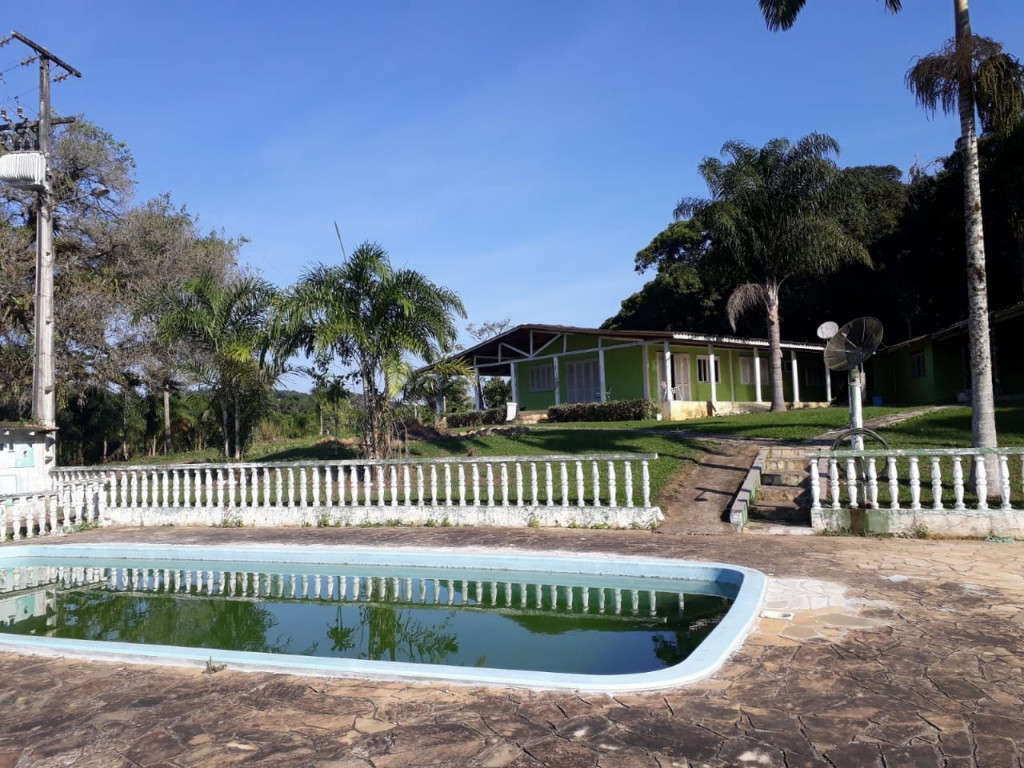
(771, 494)
(761, 528)
(788, 451)
(784, 478)
(780, 512)
(775, 464)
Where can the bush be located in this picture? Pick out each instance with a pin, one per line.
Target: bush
(615, 410)
(477, 418)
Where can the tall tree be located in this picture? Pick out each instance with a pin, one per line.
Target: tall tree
(969, 75)
(225, 329)
(369, 315)
(773, 215)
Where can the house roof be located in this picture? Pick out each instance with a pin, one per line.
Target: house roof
(493, 356)
(960, 327)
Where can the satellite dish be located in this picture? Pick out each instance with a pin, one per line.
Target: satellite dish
(854, 343)
(827, 330)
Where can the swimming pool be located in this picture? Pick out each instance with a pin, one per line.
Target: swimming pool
(530, 588)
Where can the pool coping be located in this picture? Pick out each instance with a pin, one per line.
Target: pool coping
(709, 656)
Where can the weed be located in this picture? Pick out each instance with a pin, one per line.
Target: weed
(212, 668)
(533, 522)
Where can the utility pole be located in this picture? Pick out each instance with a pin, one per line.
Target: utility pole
(44, 396)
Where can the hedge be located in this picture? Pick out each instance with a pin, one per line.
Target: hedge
(478, 418)
(614, 410)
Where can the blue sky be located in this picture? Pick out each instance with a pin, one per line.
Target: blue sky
(519, 153)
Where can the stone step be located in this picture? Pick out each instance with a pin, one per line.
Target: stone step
(775, 464)
(788, 451)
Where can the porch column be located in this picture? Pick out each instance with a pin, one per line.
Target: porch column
(668, 372)
(757, 377)
(514, 377)
(645, 371)
(600, 374)
(558, 385)
(796, 379)
(828, 384)
(477, 394)
(732, 376)
(711, 374)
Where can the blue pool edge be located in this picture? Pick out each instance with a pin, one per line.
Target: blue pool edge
(708, 657)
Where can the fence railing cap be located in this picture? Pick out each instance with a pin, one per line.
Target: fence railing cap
(898, 453)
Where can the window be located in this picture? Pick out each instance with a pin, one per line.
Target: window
(702, 369)
(917, 367)
(542, 378)
(583, 381)
(747, 370)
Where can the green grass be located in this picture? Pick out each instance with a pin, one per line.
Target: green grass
(951, 428)
(797, 425)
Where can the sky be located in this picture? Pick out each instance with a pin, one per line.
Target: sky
(519, 153)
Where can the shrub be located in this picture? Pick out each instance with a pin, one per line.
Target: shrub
(614, 410)
(477, 418)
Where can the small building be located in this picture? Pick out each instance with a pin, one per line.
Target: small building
(935, 368)
(690, 375)
(27, 454)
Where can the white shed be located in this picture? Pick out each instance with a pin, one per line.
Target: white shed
(27, 454)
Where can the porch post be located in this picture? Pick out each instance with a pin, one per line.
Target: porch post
(477, 394)
(558, 385)
(644, 370)
(828, 384)
(600, 374)
(711, 374)
(668, 372)
(757, 377)
(732, 377)
(796, 379)
(514, 377)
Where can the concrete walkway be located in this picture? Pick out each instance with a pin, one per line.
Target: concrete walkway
(899, 653)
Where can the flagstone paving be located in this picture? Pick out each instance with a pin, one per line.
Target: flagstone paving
(898, 653)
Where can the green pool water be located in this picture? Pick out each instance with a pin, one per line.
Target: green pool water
(479, 618)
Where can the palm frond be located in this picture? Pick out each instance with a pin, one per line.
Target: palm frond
(744, 297)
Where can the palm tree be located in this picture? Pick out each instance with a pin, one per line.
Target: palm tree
(365, 313)
(771, 216)
(968, 74)
(224, 328)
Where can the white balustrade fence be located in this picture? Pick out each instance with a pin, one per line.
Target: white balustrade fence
(918, 491)
(594, 490)
(47, 513)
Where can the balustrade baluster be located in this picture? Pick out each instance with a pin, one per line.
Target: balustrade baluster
(1004, 481)
(267, 498)
(448, 484)
(596, 482)
(894, 484)
(291, 486)
(851, 481)
(315, 470)
(549, 485)
(278, 487)
(533, 483)
(915, 483)
(165, 489)
(433, 484)
(380, 485)
(243, 487)
(628, 477)
(872, 483)
(187, 480)
(613, 494)
(329, 485)
(393, 477)
(52, 503)
(420, 501)
(815, 485)
(563, 476)
(407, 484)
(981, 481)
(232, 487)
(476, 484)
(958, 483)
(833, 482)
(462, 485)
(505, 500)
(519, 483)
(490, 484)
(209, 499)
(303, 500)
(936, 483)
(144, 490)
(175, 488)
(353, 480)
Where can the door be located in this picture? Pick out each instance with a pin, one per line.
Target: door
(582, 381)
(680, 378)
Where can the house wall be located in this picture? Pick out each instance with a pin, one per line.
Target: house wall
(23, 459)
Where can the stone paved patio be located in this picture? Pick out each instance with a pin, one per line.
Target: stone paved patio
(900, 653)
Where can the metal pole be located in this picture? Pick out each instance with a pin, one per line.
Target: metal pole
(856, 414)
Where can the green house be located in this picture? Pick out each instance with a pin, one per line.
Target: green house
(935, 368)
(690, 375)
